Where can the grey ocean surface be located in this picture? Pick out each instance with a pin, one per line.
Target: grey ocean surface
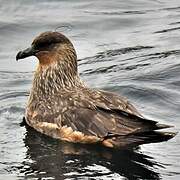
(129, 47)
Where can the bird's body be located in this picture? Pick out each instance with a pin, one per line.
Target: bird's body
(62, 106)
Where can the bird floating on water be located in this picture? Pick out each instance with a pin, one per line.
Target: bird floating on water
(60, 104)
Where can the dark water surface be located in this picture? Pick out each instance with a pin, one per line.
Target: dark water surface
(130, 47)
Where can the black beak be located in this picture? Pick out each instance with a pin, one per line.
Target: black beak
(26, 53)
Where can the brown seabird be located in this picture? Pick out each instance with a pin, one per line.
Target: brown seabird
(60, 105)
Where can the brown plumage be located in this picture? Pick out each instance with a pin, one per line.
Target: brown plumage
(62, 106)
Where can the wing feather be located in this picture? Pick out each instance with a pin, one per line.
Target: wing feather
(103, 114)
(97, 113)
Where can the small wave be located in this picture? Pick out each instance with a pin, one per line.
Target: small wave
(114, 68)
(143, 60)
(116, 12)
(15, 72)
(172, 8)
(100, 70)
(64, 28)
(132, 12)
(174, 23)
(10, 95)
(111, 53)
(158, 96)
(167, 74)
(162, 54)
(12, 109)
(167, 30)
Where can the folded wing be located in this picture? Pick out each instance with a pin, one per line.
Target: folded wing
(108, 116)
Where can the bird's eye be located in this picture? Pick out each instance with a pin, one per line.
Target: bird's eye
(42, 44)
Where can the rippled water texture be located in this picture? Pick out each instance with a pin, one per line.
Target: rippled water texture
(130, 47)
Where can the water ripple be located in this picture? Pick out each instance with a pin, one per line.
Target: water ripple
(10, 95)
(167, 30)
(106, 55)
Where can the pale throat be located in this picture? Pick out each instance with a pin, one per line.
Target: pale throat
(46, 58)
(56, 73)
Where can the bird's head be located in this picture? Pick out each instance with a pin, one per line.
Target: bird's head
(50, 47)
(57, 61)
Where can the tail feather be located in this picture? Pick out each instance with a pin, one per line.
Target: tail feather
(163, 126)
(136, 139)
(137, 123)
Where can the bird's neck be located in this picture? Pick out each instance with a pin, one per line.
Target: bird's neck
(55, 78)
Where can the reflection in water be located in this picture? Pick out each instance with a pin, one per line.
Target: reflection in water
(47, 157)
